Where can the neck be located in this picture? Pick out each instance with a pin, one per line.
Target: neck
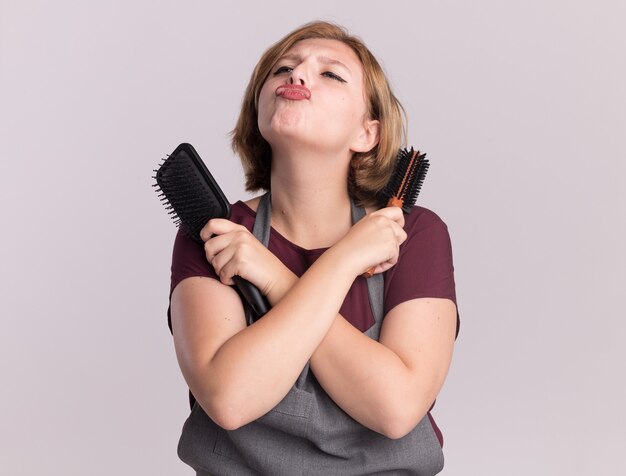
(310, 201)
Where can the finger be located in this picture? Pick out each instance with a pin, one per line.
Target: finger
(223, 265)
(401, 235)
(207, 230)
(389, 263)
(397, 232)
(382, 267)
(393, 213)
(227, 271)
(218, 226)
(216, 245)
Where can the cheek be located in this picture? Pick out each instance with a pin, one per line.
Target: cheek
(263, 106)
(267, 90)
(348, 109)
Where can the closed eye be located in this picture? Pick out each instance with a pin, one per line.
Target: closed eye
(283, 69)
(330, 74)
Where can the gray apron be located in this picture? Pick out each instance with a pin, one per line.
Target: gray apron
(307, 433)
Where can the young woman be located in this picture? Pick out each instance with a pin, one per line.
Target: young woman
(339, 376)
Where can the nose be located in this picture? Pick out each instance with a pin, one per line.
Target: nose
(298, 76)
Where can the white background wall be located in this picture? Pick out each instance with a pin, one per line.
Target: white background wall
(521, 107)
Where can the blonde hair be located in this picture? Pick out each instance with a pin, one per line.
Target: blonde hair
(369, 171)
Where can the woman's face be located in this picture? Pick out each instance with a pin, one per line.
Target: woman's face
(314, 97)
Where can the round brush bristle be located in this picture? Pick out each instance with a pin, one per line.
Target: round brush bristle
(406, 180)
(414, 182)
(394, 185)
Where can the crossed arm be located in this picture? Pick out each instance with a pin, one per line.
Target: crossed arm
(238, 373)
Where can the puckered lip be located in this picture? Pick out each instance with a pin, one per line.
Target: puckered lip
(293, 91)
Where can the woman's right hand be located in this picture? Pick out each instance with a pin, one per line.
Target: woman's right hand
(373, 242)
(233, 251)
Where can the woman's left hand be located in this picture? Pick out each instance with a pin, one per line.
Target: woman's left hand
(233, 251)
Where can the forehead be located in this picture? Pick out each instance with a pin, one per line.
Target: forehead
(331, 49)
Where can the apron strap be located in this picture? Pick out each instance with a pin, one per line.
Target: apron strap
(263, 221)
(375, 284)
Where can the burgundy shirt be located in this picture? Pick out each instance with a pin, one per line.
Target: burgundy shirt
(424, 267)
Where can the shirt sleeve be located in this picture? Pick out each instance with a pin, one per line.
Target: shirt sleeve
(188, 260)
(425, 266)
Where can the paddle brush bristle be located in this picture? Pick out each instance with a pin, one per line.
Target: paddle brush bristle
(189, 192)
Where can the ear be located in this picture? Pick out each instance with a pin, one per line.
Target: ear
(368, 137)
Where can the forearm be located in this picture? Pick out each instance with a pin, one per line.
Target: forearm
(369, 381)
(366, 379)
(253, 370)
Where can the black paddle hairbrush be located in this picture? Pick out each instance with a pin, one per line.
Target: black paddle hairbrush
(192, 198)
(404, 185)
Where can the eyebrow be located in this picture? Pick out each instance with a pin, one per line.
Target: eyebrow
(327, 60)
(322, 59)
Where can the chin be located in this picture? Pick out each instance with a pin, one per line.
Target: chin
(287, 124)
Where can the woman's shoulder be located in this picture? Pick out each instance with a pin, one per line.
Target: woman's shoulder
(244, 213)
(421, 218)
(252, 204)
